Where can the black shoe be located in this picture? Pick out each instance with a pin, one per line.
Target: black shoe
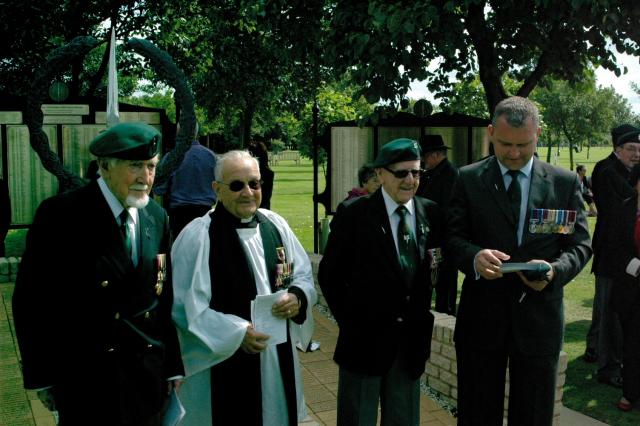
(590, 355)
(615, 381)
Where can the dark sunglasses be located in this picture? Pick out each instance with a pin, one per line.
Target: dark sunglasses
(238, 185)
(401, 174)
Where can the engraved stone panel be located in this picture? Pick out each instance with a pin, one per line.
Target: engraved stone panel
(65, 109)
(29, 182)
(128, 116)
(75, 146)
(10, 117)
(387, 134)
(62, 119)
(351, 147)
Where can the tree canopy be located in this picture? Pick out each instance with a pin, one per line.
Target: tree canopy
(388, 43)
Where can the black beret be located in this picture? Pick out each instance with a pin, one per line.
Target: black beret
(396, 151)
(127, 141)
(633, 136)
(622, 129)
(429, 143)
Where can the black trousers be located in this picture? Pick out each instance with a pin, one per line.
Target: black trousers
(447, 289)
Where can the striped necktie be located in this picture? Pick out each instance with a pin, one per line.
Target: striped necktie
(406, 246)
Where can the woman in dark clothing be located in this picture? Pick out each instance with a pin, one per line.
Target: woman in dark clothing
(625, 293)
(259, 150)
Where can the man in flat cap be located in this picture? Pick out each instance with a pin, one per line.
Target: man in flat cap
(513, 208)
(92, 301)
(382, 309)
(436, 184)
(610, 182)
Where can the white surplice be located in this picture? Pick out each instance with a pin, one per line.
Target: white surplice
(208, 337)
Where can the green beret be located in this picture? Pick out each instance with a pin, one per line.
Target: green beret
(396, 151)
(633, 136)
(127, 141)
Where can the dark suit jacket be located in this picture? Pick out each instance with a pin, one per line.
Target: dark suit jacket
(479, 217)
(625, 291)
(436, 184)
(361, 279)
(76, 290)
(610, 186)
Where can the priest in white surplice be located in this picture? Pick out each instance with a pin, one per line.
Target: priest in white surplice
(221, 261)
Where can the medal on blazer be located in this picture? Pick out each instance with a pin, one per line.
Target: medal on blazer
(284, 270)
(435, 257)
(161, 263)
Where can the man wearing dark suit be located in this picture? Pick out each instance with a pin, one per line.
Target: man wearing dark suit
(511, 319)
(91, 306)
(436, 184)
(604, 339)
(376, 278)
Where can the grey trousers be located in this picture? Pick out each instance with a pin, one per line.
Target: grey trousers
(398, 394)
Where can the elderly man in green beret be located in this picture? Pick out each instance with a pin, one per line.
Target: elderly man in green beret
(91, 303)
(376, 276)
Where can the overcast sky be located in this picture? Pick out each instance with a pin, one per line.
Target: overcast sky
(605, 78)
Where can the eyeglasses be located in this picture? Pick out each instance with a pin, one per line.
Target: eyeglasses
(401, 174)
(238, 185)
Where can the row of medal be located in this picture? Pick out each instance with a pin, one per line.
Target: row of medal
(547, 221)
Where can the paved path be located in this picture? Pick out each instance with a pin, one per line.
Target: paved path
(22, 408)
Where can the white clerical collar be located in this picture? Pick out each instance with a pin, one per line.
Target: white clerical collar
(391, 205)
(114, 204)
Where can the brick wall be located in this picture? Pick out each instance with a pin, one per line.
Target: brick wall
(441, 372)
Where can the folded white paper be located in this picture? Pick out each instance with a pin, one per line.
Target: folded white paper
(265, 322)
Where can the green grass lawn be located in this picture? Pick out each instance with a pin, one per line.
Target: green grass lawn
(292, 198)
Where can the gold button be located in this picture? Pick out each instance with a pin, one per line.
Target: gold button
(117, 315)
(104, 283)
(147, 315)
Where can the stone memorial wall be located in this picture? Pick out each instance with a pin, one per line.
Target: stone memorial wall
(351, 148)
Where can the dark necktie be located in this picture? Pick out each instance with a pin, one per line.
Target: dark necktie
(124, 229)
(406, 246)
(515, 193)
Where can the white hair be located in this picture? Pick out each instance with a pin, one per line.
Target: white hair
(232, 155)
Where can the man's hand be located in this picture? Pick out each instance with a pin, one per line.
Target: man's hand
(46, 397)
(488, 263)
(253, 341)
(288, 306)
(538, 285)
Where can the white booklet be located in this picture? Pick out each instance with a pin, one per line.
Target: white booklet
(265, 322)
(175, 411)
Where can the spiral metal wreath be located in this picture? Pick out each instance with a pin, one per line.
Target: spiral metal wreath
(59, 60)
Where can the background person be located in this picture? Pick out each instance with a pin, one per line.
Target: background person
(222, 261)
(585, 189)
(189, 187)
(368, 182)
(91, 305)
(497, 214)
(259, 150)
(625, 289)
(605, 327)
(382, 309)
(437, 184)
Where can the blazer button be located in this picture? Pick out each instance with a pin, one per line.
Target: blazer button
(408, 298)
(117, 315)
(104, 283)
(147, 315)
(399, 319)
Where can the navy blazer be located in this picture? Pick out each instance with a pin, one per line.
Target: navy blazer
(361, 279)
(87, 321)
(480, 217)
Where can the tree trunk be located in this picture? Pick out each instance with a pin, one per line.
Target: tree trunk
(484, 41)
(246, 122)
